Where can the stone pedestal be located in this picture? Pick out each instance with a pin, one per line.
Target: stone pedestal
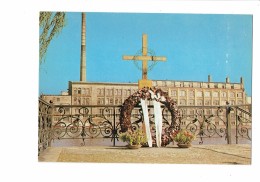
(144, 83)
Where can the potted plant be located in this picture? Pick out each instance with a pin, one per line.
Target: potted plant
(183, 138)
(135, 139)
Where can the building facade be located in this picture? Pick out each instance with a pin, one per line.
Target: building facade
(185, 93)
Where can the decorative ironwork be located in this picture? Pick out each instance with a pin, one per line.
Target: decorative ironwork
(91, 122)
(81, 123)
(243, 123)
(44, 125)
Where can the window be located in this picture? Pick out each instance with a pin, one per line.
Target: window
(186, 84)
(223, 102)
(67, 109)
(232, 102)
(100, 101)
(117, 101)
(87, 101)
(191, 102)
(191, 93)
(199, 102)
(115, 92)
(128, 92)
(197, 85)
(107, 101)
(125, 92)
(182, 93)
(232, 94)
(111, 101)
(58, 99)
(83, 91)
(87, 91)
(192, 112)
(75, 91)
(224, 94)
(109, 92)
(79, 91)
(207, 94)
(239, 95)
(182, 102)
(98, 91)
(174, 93)
(215, 94)
(216, 102)
(199, 94)
(119, 92)
(84, 101)
(207, 102)
(239, 102)
(208, 112)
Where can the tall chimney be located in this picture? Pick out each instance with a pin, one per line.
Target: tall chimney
(241, 80)
(227, 80)
(209, 78)
(83, 49)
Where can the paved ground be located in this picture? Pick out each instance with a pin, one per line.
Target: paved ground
(197, 154)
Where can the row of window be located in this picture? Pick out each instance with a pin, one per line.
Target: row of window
(182, 102)
(110, 101)
(114, 92)
(81, 101)
(81, 91)
(183, 93)
(196, 84)
(199, 102)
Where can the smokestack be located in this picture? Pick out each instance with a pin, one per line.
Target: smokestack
(83, 49)
(227, 80)
(241, 80)
(209, 78)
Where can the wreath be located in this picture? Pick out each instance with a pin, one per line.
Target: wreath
(148, 93)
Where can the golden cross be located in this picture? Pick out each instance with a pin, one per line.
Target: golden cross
(144, 57)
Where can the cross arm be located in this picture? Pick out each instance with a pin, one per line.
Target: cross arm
(152, 58)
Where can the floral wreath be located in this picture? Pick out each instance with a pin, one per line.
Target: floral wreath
(149, 94)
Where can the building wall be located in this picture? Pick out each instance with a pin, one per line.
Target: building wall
(184, 92)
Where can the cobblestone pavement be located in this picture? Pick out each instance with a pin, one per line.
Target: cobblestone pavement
(197, 154)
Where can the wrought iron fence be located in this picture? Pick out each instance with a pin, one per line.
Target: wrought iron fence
(44, 125)
(93, 122)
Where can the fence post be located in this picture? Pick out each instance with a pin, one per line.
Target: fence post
(114, 127)
(49, 127)
(228, 123)
(236, 126)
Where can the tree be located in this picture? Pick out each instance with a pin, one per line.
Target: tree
(51, 24)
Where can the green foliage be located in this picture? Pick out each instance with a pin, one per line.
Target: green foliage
(183, 136)
(51, 24)
(133, 137)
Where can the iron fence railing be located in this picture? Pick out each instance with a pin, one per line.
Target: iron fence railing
(44, 125)
(210, 124)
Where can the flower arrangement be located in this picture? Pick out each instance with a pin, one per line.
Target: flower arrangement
(136, 137)
(183, 136)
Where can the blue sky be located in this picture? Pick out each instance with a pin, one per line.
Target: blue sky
(195, 45)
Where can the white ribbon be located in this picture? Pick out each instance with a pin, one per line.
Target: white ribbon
(158, 122)
(146, 122)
